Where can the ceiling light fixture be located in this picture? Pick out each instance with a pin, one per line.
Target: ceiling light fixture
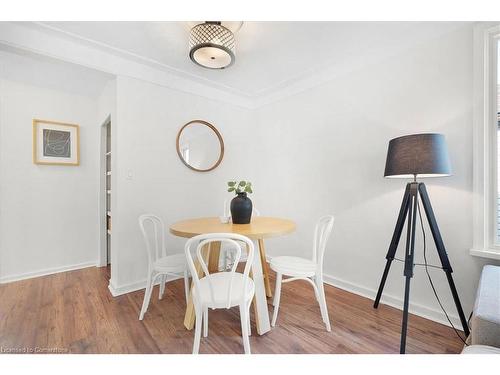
(212, 45)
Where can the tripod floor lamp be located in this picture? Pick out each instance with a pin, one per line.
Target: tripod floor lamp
(414, 156)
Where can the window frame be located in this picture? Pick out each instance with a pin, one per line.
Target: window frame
(485, 128)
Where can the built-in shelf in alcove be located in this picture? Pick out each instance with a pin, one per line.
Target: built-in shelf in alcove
(106, 159)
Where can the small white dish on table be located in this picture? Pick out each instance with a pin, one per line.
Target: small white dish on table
(224, 219)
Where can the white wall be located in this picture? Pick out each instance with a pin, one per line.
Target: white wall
(48, 214)
(325, 148)
(148, 119)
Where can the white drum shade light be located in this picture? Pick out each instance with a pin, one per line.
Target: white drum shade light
(212, 45)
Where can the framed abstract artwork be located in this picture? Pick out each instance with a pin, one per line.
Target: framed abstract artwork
(55, 143)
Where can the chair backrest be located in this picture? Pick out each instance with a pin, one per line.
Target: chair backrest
(153, 232)
(322, 233)
(232, 239)
(227, 209)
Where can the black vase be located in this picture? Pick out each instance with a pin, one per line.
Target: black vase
(241, 209)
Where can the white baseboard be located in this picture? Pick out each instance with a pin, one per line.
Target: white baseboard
(417, 309)
(45, 272)
(132, 287)
(397, 302)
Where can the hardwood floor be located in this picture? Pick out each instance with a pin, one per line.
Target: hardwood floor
(74, 312)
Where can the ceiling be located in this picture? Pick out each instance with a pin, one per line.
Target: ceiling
(269, 55)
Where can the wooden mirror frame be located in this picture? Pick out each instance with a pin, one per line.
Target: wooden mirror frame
(219, 136)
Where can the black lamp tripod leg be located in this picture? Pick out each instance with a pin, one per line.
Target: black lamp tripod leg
(408, 210)
(458, 305)
(443, 257)
(394, 243)
(404, 325)
(409, 257)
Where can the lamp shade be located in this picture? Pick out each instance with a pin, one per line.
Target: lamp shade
(417, 155)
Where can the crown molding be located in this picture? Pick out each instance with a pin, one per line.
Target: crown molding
(43, 39)
(19, 36)
(136, 57)
(288, 87)
(328, 72)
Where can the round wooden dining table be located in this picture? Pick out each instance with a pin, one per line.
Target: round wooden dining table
(260, 228)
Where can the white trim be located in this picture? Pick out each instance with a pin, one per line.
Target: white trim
(484, 142)
(396, 302)
(485, 253)
(393, 301)
(113, 289)
(132, 287)
(45, 272)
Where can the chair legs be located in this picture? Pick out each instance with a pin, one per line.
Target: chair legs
(248, 318)
(197, 331)
(163, 280)
(205, 322)
(147, 296)
(202, 324)
(319, 292)
(244, 328)
(186, 286)
(322, 302)
(149, 290)
(277, 293)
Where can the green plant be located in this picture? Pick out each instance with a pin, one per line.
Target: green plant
(240, 187)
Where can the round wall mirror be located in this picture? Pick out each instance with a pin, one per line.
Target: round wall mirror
(200, 146)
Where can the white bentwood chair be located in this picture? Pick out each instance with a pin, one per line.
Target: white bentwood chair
(159, 263)
(310, 270)
(222, 289)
